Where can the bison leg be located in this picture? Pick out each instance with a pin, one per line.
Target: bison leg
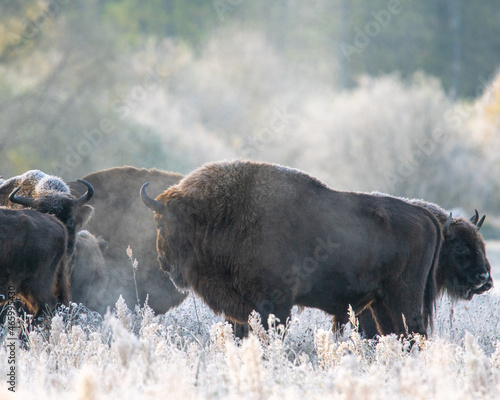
(281, 312)
(339, 321)
(63, 288)
(406, 296)
(367, 324)
(376, 320)
(240, 330)
(405, 311)
(48, 287)
(35, 300)
(221, 297)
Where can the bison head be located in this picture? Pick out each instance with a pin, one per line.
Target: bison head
(166, 238)
(63, 206)
(463, 269)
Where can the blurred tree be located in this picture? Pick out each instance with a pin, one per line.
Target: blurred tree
(75, 77)
(57, 100)
(343, 38)
(137, 18)
(456, 33)
(161, 18)
(480, 44)
(20, 23)
(456, 40)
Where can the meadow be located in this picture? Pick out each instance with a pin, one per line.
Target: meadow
(189, 353)
(78, 94)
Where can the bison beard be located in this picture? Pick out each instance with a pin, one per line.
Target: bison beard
(33, 258)
(254, 236)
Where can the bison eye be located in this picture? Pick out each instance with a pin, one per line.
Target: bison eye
(461, 250)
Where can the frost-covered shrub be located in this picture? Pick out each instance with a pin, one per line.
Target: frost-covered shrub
(239, 97)
(189, 353)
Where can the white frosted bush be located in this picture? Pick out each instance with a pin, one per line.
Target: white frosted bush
(241, 98)
(189, 353)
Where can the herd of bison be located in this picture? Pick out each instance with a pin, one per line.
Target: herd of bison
(242, 235)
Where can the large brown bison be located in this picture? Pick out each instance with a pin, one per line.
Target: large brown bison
(254, 236)
(49, 195)
(463, 269)
(121, 219)
(33, 259)
(88, 275)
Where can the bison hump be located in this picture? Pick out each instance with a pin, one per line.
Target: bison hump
(382, 215)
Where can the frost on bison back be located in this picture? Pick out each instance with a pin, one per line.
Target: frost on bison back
(49, 195)
(255, 236)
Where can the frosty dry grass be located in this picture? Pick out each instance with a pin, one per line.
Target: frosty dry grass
(130, 355)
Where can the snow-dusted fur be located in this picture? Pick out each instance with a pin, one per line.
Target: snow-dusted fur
(51, 195)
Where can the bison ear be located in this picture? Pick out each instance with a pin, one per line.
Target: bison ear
(83, 215)
(446, 226)
(103, 245)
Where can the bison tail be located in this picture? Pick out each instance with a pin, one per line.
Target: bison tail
(431, 290)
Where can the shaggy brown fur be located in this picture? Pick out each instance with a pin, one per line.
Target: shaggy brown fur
(463, 269)
(33, 258)
(254, 236)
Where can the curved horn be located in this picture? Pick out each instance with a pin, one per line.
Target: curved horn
(24, 201)
(474, 218)
(87, 196)
(480, 223)
(447, 223)
(150, 202)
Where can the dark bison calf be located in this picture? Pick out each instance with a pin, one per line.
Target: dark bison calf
(33, 259)
(254, 236)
